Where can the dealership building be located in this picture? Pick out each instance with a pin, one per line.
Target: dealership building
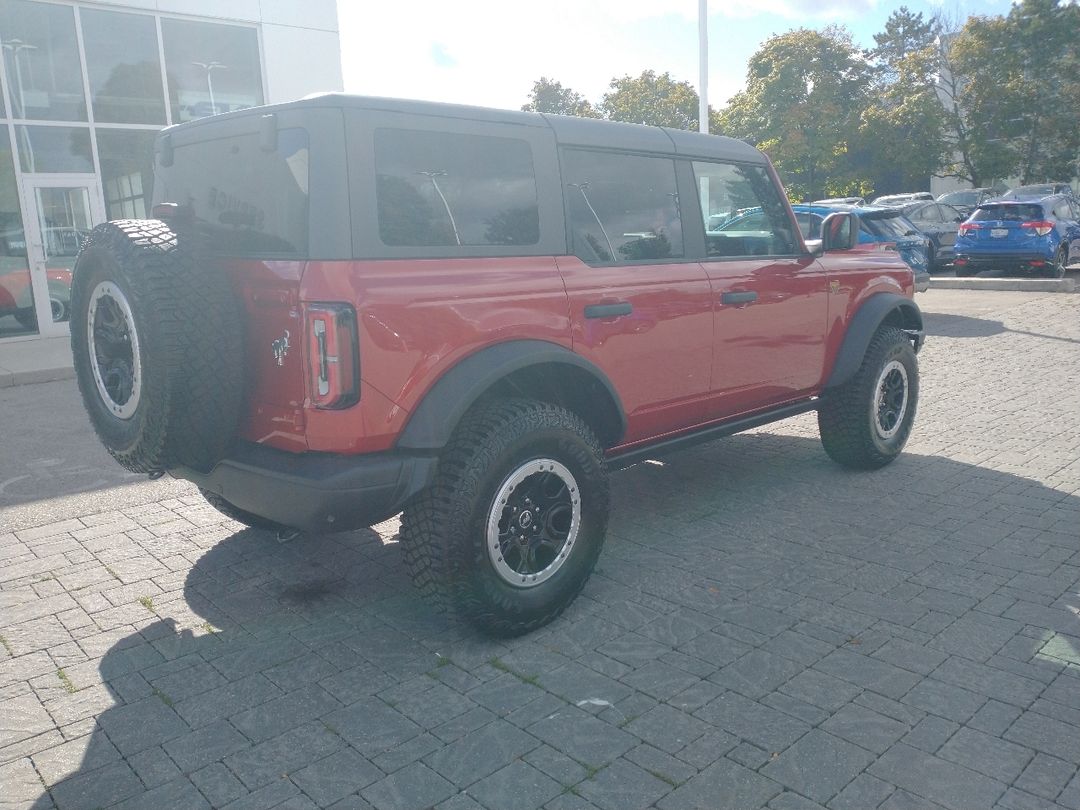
(85, 88)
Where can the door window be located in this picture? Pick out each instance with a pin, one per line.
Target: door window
(744, 214)
(623, 208)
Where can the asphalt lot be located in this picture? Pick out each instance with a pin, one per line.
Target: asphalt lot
(764, 629)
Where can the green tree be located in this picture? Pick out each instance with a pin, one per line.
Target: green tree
(653, 99)
(905, 33)
(549, 96)
(901, 135)
(804, 93)
(1011, 87)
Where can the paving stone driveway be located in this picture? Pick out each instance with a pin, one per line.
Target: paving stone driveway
(764, 630)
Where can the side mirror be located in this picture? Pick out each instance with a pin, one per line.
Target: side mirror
(839, 231)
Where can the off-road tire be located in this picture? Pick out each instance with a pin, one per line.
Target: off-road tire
(236, 513)
(848, 414)
(444, 529)
(190, 346)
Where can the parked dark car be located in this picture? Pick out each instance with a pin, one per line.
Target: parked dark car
(967, 199)
(1034, 236)
(1038, 191)
(938, 223)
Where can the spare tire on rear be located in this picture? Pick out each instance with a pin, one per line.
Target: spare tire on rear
(157, 341)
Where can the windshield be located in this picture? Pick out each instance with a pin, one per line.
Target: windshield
(1008, 213)
(889, 228)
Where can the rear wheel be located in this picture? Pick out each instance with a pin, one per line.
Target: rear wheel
(865, 422)
(508, 533)
(1061, 261)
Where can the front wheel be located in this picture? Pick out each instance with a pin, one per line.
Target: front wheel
(865, 422)
(509, 531)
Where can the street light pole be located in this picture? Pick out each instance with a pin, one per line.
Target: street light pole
(703, 67)
(208, 67)
(15, 46)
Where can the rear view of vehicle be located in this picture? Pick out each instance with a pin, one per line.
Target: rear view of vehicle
(1034, 237)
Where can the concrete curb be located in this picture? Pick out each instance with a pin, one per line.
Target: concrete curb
(1066, 285)
(9, 379)
(35, 361)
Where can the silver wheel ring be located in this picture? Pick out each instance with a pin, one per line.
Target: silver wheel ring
(879, 396)
(106, 289)
(491, 538)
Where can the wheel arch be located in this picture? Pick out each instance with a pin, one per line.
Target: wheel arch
(878, 310)
(523, 368)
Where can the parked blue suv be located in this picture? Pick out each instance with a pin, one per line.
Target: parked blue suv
(1035, 236)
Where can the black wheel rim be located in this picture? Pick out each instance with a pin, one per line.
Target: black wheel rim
(891, 400)
(114, 350)
(533, 522)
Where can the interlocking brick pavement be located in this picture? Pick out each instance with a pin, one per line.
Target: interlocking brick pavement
(764, 629)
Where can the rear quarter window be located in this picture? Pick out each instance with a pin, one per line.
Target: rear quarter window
(453, 189)
(247, 200)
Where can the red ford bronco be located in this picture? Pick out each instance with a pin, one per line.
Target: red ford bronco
(350, 307)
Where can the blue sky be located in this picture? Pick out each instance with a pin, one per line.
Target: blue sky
(489, 52)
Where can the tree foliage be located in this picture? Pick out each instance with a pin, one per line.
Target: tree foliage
(804, 91)
(653, 99)
(980, 99)
(549, 96)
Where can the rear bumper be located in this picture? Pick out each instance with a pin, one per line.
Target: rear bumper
(988, 260)
(316, 491)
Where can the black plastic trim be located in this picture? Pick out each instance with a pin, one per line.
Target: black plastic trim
(861, 331)
(316, 491)
(434, 420)
(708, 434)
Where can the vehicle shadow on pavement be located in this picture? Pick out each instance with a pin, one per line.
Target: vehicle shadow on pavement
(963, 326)
(312, 667)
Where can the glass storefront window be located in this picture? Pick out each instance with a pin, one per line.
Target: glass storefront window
(54, 149)
(210, 68)
(123, 67)
(127, 171)
(42, 60)
(16, 297)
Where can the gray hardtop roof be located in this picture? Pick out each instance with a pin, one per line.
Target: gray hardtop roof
(569, 130)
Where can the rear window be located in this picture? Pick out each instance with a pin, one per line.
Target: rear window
(249, 200)
(886, 228)
(444, 188)
(1008, 213)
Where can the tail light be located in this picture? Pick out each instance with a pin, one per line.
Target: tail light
(960, 261)
(1042, 228)
(333, 355)
(968, 227)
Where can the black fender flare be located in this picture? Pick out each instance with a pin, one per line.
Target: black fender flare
(434, 420)
(865, 323)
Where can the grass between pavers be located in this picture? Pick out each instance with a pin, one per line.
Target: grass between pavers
(148, 603)
(532, 680)
(66, 681)
(164, 698)
(7, 646)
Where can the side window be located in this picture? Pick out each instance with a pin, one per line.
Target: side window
(622, 207)
(444, 188)
(743, 211)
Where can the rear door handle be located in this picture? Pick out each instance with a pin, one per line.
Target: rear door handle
(608, 310)
(747, 297)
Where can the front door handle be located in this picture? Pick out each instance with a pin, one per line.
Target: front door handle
(746, 297)
(608, 310)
